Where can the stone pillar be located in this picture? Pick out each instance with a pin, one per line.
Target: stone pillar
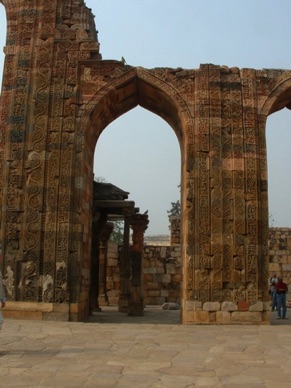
(139, 224)
(124, 270)
(175, 230)
(103, 244)
(94, 268)
(98, 225)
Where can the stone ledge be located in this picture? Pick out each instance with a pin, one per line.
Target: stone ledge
(226, 317)
(39, 311)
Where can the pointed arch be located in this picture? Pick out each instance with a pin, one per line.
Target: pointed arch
(137, 86)
(278, 98)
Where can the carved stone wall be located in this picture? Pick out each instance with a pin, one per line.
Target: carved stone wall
(280, 253)
(58, 95)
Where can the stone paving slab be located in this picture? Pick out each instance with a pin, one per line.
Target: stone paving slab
(153, 351)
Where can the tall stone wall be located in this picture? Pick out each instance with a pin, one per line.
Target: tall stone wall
(280, 253)
(162, 274)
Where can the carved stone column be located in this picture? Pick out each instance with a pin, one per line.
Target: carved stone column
(98, 225)
(94, 268)
(124, 270)
(139, 224)
(103, 245)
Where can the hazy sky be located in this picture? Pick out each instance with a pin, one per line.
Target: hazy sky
(139, 151)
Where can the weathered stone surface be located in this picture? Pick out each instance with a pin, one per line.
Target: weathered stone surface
(193, 305)
(229, 306)
(223, 317)
(211, 306)
(246, 317)
(259, 306)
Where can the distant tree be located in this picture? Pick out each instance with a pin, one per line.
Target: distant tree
(117, 233)
(271, 220)
(175, 209)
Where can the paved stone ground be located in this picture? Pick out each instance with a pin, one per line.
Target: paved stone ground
(114, 350)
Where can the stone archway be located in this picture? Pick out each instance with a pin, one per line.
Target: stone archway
(57, 97)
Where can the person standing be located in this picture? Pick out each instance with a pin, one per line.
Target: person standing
(281, 289)
(272, 283)
(2, 293)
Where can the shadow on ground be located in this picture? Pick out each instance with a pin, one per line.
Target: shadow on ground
(152, 315)
(157, 316)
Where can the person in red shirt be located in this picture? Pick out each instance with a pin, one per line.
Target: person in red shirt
(281, 290)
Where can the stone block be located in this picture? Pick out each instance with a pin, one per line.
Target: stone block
(166, 278)
(211, 306)
(192, 305)
(201, 317)
(177, 278)
(223, 317)
(163, 252)
(266, 317)
(259, 306)
(212, 317)
(112, 262)
(170, 269)
(229, 306)
(246, 317)
(150, 270)
(158, 278)
(160, 300)
(188, 318)
(148, 277)
(152, 286)
(243, 306)
(153, 293)
(286, 267)
(112, 248)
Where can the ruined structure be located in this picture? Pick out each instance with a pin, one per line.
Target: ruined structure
(58, 95)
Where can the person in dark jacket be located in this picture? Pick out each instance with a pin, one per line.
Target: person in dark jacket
(281, 290)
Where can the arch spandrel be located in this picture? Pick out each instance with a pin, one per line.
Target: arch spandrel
(123, 90)
(274, 88)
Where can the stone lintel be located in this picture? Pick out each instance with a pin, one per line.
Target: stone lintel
(38, 311)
